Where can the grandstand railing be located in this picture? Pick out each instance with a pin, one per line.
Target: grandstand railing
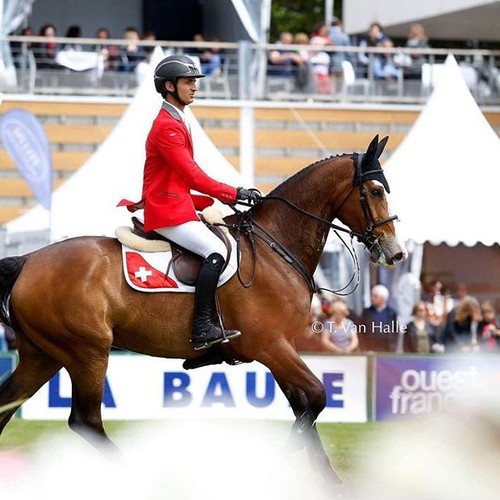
(87, 66)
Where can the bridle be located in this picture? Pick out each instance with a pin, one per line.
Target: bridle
(368, 238)
(247, 226)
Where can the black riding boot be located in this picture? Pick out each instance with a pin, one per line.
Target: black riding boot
(205, 333)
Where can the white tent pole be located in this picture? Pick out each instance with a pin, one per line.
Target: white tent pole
(329, 7)
(247, 150)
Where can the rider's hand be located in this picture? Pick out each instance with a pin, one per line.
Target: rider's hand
(250, 195)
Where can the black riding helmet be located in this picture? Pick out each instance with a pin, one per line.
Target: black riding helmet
(171, 69)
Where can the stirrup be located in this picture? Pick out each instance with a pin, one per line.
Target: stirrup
(217, 336)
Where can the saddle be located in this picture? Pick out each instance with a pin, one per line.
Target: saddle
(185, 264)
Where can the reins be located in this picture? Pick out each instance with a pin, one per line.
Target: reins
(247, 226)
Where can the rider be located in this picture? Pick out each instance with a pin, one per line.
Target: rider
(170, 172)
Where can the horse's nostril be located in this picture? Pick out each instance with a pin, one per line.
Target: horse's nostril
(396, 258)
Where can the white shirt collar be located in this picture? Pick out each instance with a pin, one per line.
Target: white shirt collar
(177, 110)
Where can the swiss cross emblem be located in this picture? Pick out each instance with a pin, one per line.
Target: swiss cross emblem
(144, 275)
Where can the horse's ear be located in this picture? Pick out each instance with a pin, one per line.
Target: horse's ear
(371, 152)
(381, 146)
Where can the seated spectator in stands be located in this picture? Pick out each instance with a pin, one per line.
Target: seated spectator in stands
(20, 50)
(382, 65)
(488, 328)
(322, 31)
(439, 303)
(219, 50)
(461, 330)
(282, 60)
(378, 328)
(131, 54)
(149, 36)
(110, 53)
(419, 335)
(303, 77)
(339, 38)
(45, 52)
(460, 294)
(302, 38)
(74, 31)
(417, 39)
(339, 333)
(287, 62)
(211, 63)
(319, 61)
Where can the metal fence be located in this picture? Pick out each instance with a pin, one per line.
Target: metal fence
(86, 66)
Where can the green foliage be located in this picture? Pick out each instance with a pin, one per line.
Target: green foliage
(298, 15)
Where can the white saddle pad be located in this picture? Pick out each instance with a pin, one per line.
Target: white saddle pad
(145, 271)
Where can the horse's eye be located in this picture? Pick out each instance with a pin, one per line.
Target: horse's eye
(377, 193)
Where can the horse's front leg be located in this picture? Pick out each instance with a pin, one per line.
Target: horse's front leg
(306, 395)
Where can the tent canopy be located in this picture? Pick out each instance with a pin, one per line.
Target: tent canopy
(445, 175)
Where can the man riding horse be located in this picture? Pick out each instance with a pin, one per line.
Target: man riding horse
(170, 172)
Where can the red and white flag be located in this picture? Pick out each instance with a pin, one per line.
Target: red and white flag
(144, 275)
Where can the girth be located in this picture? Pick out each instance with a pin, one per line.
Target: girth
(185, 264)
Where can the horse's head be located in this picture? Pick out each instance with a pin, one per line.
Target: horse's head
(365, 209)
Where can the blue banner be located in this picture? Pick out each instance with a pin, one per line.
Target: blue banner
(414, 385)
(26, 142)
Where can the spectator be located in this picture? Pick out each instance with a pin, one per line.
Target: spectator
(322, 31)
(149, 36)
(20, 49)
(339, 38)
(211, 63)
(302, 38)
(74, 31)
(439, 303)
(378, 328)
(286, 62)
(417, 39)
(419, 336)
(110, 53)
(382, 65)
(131, 54)
(461, 330)
(462, 294)
(219, 51)
(319, 61)
(45, 52)
(339, 333)
(488, 328)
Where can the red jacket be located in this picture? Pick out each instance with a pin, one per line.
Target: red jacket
(170, 172)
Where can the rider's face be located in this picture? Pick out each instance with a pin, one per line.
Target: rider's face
(186, 88)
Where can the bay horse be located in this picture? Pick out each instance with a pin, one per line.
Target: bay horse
(69, 303)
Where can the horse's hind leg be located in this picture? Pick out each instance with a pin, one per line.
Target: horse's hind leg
(35, 368)
(306, 395)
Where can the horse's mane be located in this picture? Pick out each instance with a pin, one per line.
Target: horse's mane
(302, 173)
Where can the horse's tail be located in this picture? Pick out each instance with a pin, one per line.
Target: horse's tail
(10, 269)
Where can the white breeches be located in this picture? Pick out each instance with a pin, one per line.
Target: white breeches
(195, 236)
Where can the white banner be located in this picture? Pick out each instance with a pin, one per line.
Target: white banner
(142, 387)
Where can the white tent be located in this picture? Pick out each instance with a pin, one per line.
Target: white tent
(444, 176)
(86, 203)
